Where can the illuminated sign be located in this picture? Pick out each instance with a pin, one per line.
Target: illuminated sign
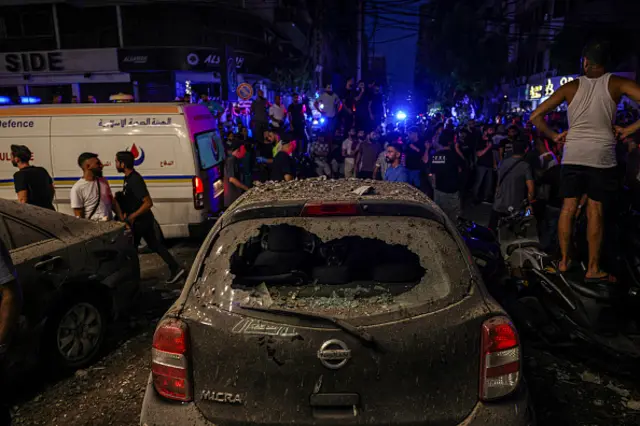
(535, 92)
(548, 89)
(565, 80)
(539, 91)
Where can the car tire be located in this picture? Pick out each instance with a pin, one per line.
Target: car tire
(75, 331)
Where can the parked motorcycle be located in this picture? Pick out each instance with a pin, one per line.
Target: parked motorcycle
(485, 249)
(560, 308)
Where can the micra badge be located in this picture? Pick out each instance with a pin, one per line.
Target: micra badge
(221, 397)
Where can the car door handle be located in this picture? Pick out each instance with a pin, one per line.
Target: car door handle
(47, 261)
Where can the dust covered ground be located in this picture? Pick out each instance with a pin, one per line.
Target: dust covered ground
(567, 390)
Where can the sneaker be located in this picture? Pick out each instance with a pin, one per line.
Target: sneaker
(175, 276)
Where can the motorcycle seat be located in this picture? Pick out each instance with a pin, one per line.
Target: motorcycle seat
(522, 244)
(602, 292)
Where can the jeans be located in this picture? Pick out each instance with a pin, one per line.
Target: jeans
(146, 228)
(483, 186)
(300, 134)
(247, 168)
(349, 168)
(449, 203)
(322, 166)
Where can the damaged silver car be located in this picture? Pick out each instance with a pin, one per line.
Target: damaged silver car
(325, 302)
(75, 276)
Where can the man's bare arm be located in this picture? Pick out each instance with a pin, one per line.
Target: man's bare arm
(147, 203)
(554, 101)
(10, 308)
(23, 196)
(531, 190)
(238, 184)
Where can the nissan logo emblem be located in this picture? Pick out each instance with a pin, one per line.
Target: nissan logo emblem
(334, 354)
(193, 59)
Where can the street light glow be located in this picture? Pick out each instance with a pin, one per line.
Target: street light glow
(401, 115)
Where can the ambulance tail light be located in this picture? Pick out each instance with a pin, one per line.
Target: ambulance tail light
(198, 193)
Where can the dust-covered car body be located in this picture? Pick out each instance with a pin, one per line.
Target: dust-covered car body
(75, 275)
(309, 304)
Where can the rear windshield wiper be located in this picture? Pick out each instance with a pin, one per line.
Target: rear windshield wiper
(365, 337)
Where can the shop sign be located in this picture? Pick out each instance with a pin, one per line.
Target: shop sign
(173, 59)
(548, 87)
(59, 61)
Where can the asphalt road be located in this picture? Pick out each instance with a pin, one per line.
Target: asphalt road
(567, 390)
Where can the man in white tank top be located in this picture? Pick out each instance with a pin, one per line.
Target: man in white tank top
(589, 159)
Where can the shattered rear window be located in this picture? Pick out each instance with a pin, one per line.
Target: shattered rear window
(348, 267)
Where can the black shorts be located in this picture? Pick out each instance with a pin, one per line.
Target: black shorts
(599, 184)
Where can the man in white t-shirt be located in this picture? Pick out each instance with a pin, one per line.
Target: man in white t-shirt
(91, 196)
(349, 153)
(277, 113)
(329, 104)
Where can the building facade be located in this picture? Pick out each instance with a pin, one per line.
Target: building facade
(544, 41)
(546, 38)
(154, 51)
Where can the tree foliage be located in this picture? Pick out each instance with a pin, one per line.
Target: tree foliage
(457, 56)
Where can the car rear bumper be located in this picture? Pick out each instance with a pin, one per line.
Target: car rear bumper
(514, 411)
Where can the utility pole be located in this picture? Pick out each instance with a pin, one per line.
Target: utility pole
(359, 37)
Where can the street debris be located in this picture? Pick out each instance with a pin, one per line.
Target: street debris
(590, 377)
(633, 405)
(620, 391)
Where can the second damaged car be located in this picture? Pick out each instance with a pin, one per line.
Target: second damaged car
(323, 303)
(75, 276)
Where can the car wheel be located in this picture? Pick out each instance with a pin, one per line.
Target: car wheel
(76, 331)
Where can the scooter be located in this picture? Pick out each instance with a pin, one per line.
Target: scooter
(560, 309)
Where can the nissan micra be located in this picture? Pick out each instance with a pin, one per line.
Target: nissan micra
(344, 302)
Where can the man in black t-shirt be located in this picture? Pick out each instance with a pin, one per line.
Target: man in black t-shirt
(413, 157)
(33, 184)
(348, 104)
(446, 166)
(135, 203)
(298, 122)
(284, 167)
(506, 145)
(376, 106)
(485, 165)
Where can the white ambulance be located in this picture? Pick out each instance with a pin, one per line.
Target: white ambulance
(177, 150)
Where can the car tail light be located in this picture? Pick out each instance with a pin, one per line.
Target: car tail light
(169, 361)
(500, 362)
(198, 193)
(330, 209)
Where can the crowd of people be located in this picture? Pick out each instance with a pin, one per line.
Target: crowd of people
(91, 197)
(504, 161)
